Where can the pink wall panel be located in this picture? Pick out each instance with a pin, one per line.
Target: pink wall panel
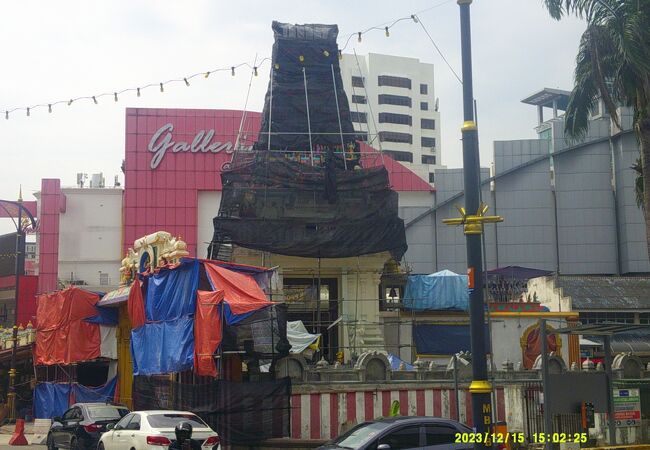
(165, 198)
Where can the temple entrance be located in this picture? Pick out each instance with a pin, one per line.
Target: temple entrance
(301, 298)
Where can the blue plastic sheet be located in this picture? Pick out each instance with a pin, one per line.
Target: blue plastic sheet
(233, 319)
(100, 394)
(444, 339)
(439, 291)
(51, 399)
(171, 294)
(105, 316)
(395, 363)
(163, 347)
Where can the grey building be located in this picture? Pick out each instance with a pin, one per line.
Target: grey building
(569, 207)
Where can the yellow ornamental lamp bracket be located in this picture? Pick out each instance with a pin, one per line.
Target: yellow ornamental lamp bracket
(473, 224)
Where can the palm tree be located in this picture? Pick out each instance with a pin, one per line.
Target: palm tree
(613, 64)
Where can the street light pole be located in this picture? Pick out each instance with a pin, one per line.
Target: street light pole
(19, 270)
(480, 388)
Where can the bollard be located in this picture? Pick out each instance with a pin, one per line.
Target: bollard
(18, 438)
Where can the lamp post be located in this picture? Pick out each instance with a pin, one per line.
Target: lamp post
(473, 216)
(19, 270)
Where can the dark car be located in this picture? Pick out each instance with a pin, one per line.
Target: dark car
(403, 433)
(82, 425)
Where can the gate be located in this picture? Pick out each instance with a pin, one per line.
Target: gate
(533, 408)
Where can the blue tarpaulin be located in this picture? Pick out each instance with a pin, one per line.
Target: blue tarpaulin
(51, 399)
(105, 316)
(395, 363)
(99, 394)
(439, 291)
(171, 294)
(444, 339)
(163, 347)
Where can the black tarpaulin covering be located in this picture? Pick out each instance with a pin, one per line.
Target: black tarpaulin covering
(314, 49)
(241, 413)
(288, 208)
(262, 334)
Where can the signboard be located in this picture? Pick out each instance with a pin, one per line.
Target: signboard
(627, 407)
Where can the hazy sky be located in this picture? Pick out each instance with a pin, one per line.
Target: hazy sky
(59, 50)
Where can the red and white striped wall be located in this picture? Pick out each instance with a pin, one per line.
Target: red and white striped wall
(320, 415)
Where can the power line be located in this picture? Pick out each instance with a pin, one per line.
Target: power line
(439, 51)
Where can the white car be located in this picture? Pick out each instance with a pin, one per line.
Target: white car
(154, 430)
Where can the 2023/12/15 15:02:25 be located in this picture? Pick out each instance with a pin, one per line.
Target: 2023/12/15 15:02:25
(559, 438)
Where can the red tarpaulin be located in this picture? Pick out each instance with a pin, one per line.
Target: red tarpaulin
(241, 292)
(207, 331)
(242, 295)
(62, 335)
(136, 305)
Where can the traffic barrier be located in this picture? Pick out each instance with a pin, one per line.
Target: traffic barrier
(40, 429)
(18, 438)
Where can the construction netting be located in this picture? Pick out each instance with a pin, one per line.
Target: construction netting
(303, 190)
(289, 208)
(306, 109)
(242, 413)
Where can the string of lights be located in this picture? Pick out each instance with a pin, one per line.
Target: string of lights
(385, 27)
(138, 89)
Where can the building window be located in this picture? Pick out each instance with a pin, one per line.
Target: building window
(600, 317)
(432, 177)
(359, 117)
(644, 318)
(400, 156)
(428, 124)
(392, 136)
(400, 82)
(357, 82)
(424, 106)
(400, 119)
(428, 159)
(399, 100)
(428, 142)
(103, 279)
(424, 89)
(359, 99)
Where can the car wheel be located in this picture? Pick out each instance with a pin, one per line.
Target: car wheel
(50, 443)
(100, 446)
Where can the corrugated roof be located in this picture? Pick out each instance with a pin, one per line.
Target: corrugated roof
(605, 292)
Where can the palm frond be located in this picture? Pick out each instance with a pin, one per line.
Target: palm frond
(637, 167)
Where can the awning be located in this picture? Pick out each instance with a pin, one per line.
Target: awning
(518, 272)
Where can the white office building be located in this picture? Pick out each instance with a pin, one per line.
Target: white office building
(392, 101)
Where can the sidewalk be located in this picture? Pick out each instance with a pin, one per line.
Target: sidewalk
(7, 430)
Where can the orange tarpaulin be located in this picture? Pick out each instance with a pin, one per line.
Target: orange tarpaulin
(62, 335)
(207, 331)
(136, 305)
(242, 294)
(241, 291)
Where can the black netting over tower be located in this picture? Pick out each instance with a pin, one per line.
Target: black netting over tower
(305, 70)
(294, 209)
(299, 194)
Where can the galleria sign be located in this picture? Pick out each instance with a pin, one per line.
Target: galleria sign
(162, 141)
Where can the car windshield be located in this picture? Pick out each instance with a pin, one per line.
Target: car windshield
(106, 412)
(171, 420)
(360, 435)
